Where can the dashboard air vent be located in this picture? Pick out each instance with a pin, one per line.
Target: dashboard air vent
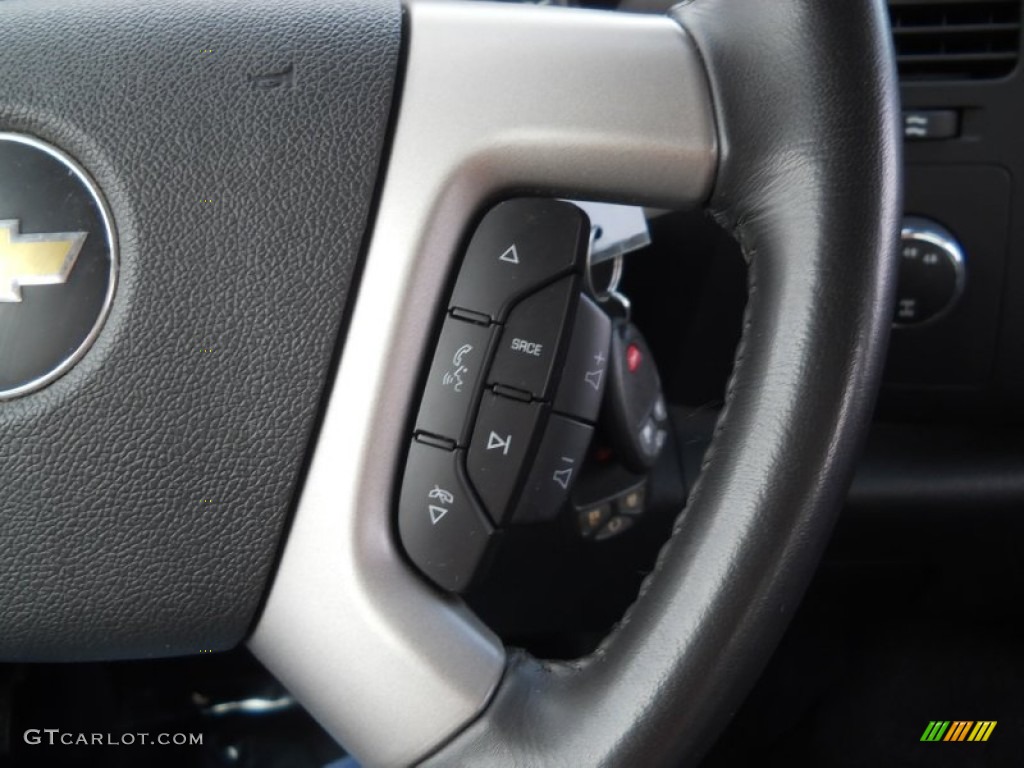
(955, 40)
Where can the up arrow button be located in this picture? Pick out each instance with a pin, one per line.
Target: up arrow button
(511, 255)
(519, 246)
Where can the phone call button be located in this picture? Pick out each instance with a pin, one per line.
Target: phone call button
(454, 380)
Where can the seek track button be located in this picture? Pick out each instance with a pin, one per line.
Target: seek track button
(501, 442)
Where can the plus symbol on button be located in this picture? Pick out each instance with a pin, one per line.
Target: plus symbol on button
(599, 359)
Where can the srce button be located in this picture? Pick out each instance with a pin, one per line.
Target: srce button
(530, 341)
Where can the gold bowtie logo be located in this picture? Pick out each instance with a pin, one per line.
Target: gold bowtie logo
(34, 259)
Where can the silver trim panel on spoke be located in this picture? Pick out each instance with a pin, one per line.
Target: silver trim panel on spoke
(497, 100)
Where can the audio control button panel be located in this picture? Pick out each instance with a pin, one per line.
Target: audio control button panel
(500, 435)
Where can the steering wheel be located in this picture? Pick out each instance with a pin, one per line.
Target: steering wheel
(287, 185)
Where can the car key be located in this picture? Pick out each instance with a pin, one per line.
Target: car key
(634, 407)
(634, 413)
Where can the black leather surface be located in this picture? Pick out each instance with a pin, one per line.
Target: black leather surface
(240, 210)
(810, 185)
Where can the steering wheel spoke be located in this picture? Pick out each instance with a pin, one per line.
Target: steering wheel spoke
(496, 99)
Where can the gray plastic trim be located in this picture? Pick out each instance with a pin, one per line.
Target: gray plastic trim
(498, 100)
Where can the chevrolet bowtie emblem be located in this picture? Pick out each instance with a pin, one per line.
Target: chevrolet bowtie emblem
(58, 253)
(36, 259)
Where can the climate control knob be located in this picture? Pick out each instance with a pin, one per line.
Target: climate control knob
(932, 273)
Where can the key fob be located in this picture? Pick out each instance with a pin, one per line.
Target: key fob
(634, 414)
